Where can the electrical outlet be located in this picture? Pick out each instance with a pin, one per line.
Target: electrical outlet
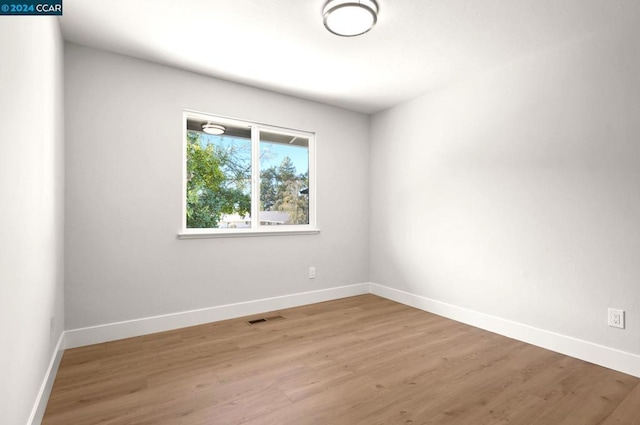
(51, 325)
(312, 272)
(616, 318)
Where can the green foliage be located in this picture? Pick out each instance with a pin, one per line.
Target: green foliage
(219, 183)
(268, 188)
(280, 191)
(216, 183)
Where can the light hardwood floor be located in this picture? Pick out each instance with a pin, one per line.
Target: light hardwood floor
(356, 361)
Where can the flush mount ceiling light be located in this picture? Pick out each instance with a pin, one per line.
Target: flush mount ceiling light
(348, 18)
(213, 128)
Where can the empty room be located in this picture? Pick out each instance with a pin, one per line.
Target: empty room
(346, 212)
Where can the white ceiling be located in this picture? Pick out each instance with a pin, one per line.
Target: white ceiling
(282, 45)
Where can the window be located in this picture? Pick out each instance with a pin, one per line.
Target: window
(244, 178)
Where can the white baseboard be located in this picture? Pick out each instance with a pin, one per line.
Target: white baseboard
(604, 356)
(113, 331)
(594, 353)
(40, 405)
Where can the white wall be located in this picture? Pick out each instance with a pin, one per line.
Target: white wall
(517, 193)
(123, 199)
(31, 208)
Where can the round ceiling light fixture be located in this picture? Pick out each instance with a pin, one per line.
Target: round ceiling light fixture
(216, 129)
(348, 18)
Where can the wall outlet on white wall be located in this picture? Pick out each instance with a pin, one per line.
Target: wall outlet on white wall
(616, 318)
(312, 272)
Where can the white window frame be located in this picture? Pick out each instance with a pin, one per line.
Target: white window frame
(256, 229)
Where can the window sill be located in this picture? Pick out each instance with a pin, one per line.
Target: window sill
(217, 233)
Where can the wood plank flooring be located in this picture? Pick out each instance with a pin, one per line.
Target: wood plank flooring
(356, 361)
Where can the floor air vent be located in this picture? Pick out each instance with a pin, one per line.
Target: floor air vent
(264, 319)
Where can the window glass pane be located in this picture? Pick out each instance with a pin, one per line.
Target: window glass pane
(218, 176)
(284, 179)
